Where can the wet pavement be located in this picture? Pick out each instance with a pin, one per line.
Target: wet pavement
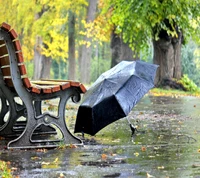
(166, 144)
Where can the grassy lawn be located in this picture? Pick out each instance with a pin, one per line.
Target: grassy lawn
(172, 92)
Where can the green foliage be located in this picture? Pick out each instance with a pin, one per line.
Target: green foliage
(29, 67)
(140, 21)
(190, 62)
(5, 171)
(188, 84)
(101, 61)
(41, 19)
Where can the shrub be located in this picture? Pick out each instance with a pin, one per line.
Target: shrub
(188, 84)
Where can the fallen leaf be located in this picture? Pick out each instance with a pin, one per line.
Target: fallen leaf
(45, 163)
(41, 150)
(72, 146)
(61, 175)
(103, 156)
(56, 160)
(112, 154)
(149, 175)
(136, 154)
(143, 148)
(35, 158)
(13, 168)
(161, 167)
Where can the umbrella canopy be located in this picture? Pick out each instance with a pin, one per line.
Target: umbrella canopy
(114, 94)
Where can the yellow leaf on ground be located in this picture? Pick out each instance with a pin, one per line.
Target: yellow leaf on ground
(45, 163)
(61, 175)
(161, 167)
(136, 154)
(56, 160)
(149, 175)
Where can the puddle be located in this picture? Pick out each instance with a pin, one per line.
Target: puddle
(167, 144)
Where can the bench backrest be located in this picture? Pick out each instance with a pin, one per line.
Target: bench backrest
(4, 57)
(7, 49)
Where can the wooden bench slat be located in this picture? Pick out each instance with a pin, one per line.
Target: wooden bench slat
(35, 90)
(26, 82)
(9, 82)
(6, 71)
(46, 90)
(2, 42)
(65, 85)
(75, 84)
(42, 82)
(56, 88)
(22, 69)
(3, 50)
(20, 57)
(5, 26)
(4, 61)
(13, 34)
(82, 87)
(17, 45)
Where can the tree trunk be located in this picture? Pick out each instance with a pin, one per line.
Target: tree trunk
(71, 60)
(86, 51)
(167, 54)
(120, 50)
(37, 59)
(42, 64)
(46, 66)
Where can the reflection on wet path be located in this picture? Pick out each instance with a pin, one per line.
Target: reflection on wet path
(167, 144)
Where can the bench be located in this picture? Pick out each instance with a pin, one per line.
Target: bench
(14, 83)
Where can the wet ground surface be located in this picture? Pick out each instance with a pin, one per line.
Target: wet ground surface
(167, 144)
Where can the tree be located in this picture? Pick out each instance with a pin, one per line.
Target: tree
(120, 50)
(71, 33)
(163, 22)
(86, 49)
(45, 37)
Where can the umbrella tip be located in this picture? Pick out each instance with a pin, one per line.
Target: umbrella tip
(133, 129)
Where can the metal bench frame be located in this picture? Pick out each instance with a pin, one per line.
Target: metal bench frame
(31, 107)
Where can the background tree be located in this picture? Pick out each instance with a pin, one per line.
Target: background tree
(161, 21)
(71, 33)
(85, 61)
(47, 33)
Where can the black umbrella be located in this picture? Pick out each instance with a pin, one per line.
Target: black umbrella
(114, 94)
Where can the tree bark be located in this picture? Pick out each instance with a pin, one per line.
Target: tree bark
(120, 50)
(167, 54)
(37, 59)
(86, 51)
(42, 64)
(71, 59)
(46, 66)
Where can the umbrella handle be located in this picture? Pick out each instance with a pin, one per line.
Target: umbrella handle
(133, 129)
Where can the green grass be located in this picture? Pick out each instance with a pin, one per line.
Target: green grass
(172, 92)
(5, 171)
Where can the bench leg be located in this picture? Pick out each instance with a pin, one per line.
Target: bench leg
(25, 140)
(15, 112)
(4, 110)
